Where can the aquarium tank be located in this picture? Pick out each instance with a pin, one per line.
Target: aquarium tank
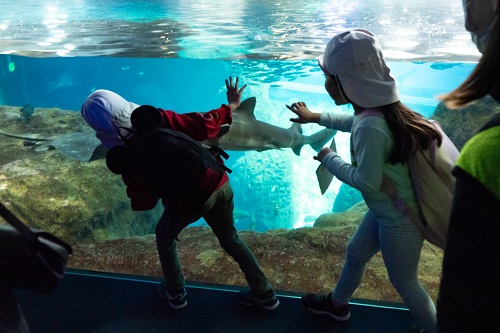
(176, 55)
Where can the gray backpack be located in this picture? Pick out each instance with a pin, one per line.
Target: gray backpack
(433, 185)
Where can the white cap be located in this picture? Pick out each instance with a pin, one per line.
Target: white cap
(105, 111)
(356, 58)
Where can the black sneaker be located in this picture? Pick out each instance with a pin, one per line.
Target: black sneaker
(268, 301)
(176, 298)
(322, 304)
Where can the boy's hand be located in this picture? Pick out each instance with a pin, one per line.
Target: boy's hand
(233, 93)
(303, 113)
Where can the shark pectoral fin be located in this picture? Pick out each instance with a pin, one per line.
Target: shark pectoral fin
(296, 128)
(324, 178)
(223, 130)
(297, 149)
(215, 141)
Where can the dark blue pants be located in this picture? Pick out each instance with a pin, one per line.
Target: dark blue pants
(218, 213)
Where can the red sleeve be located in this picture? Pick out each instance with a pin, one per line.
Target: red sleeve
(140, 198)
(199, 126)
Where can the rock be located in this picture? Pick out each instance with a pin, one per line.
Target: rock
(461, 124)
(79, 202)
(301, 260)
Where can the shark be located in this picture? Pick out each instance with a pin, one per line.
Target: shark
(248, 133)
(244, 134)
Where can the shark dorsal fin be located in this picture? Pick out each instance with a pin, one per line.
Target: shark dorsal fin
(247, 107)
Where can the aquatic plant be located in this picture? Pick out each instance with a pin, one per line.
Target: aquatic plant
(26, 111)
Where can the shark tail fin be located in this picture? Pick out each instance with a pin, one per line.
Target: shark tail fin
(319, 139)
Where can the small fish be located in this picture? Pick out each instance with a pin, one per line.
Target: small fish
(27, 111)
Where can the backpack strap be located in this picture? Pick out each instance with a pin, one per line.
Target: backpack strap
(388, 186)
(214, 150)
(128, 139)
(415, 181)
(390, 190)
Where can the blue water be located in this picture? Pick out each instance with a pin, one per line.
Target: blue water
(187, 84)
(273, 189)
(176, 54)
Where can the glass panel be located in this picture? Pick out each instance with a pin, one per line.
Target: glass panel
(176, 55)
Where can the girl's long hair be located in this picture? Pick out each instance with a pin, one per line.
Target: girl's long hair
(411, 131)
(484, 76)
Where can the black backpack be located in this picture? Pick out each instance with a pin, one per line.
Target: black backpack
(171, 164)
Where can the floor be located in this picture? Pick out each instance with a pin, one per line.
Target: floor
(95, 302)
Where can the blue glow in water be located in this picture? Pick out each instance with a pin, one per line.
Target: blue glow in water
(273, 189)
(188, 85)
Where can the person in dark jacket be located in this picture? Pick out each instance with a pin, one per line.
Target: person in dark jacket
(105, 111)
(470, 289)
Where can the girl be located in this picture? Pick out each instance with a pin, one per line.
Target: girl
(356, 74)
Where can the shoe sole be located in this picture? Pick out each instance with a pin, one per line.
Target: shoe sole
(172, 305)
(343, 318)
(266, 307)
(177, 306)
(270, 307)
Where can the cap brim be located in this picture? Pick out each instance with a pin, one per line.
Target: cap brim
(320, 62)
